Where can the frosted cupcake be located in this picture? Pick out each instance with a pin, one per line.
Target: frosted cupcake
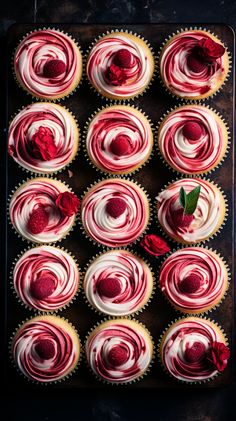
(118, 283)
(120, 65)
(43, 137)
(119, 139)
(48, 64)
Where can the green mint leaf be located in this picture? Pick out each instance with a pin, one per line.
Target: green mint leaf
(192, 199)
(182, 197)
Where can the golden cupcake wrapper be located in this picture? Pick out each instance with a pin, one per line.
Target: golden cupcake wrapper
(197, 382)
(104, 246)
(85, 131)
(36, 310)
(166, 163)
(129, 32)
(133, 313)
(215, 306)
(30, 380)
(114, 384)
(37, 98)
(184, 99)
(52, 243)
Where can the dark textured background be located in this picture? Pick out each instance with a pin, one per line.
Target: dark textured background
(189, 405)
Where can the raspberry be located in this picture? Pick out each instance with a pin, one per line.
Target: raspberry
(38, 220)
(182, 220)
(54, 68)
(195, 353)
(123, 58)
(190, 284)
(115, 207)
(42, 287)
(192, 131)
(120, 145)
(110, 287)
(45, 349)
(117, 356)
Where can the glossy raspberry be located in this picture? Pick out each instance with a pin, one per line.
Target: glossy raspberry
(109, 287)
(192, 131)
(54, 68)
(182, 220)
(190, 284)
(42, 287)
(120, 145)
(38, 220)
(116, 207)
(118, 355)
(123, 58)
(195, 353)
(45, 349)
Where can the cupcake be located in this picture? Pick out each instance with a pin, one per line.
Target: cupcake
(193, 139)
(194, 279)
(46, 278)
(115, 212)
(43, 138)
(194, 350)
(194, 64)
(119, 351)
(48, 64)
(120, 65)
(191, 210)
(118, 283)
(43, 210)
(119, 139)
(46, 349)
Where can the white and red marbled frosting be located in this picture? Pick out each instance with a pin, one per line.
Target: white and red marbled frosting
(181, 336)
(129, 337)
(105, 229)
(206, 217)
(112, 123)
(201, 264)
(176, 73)
(138, 75)
(27, 123)
(32, 54)
(49, 262)
(131, 274)
(192, 156)
(28, 197)
(30, 363)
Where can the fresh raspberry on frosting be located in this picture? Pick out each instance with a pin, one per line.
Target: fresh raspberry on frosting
(109, 287)
(123, 58)
(192, 130)
(195, 353)
(45, 349)
(196, 64)
(115, 75)
(118, 355)
(43, 144)
(181, 219)
(54, 68)
(43, 287)
(121, 145)
(38, 220)
(190, 284)
(116, 207)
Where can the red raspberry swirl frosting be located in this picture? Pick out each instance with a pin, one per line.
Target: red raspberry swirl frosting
(35, 51)
(119, 352)
(181, 151)
(176, 73)
(42, 264)
(29, 123)
(56, 361)
(118, 283)
(193, 279)
(193, 334)
(111, 228)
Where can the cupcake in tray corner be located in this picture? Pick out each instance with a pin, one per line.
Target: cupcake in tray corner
(120, 65)
(48, 64)
(43, 210)
(194, 350)
(193, 64)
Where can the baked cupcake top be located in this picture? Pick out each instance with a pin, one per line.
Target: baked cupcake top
(115, 212)
(194, 349)
(191, 228)
(120, 65)
(46, 278)
(46, 348)
(119, 351)
(193, 64)
(118, 283)
(48, 64)
(194, 279)
(192, 139)
(43, 210)
(43, 137)
(119, 139)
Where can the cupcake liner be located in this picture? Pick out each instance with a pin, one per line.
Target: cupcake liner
(134, 313)
(160, 343)
(41, 173)
(35, 310)
(175, 171)
(200, 242)
(113, 384)
(30, 380)
(126, 31)
(184, 99)
(85, 131)
(103, 246)
(205, 312)
(45, 28)
(52, 243)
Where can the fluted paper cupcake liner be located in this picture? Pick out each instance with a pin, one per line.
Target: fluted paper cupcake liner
(110, 383)
(36, 310)
(128, 32)
(185, 99)
(39, 98)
